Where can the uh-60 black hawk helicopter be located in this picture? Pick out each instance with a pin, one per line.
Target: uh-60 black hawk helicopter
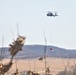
(52, 14)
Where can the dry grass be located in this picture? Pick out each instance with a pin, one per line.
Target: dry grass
(55, 65)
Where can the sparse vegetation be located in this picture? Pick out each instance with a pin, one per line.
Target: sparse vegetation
(71, 71)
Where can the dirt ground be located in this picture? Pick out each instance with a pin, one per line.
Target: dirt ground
(55, 65)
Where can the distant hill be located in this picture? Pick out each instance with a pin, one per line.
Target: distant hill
(34, 51)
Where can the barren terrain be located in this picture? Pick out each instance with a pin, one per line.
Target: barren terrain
(55, 64)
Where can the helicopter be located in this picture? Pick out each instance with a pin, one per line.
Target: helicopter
(52, 14)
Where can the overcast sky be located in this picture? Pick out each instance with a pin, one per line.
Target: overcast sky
(33, 22)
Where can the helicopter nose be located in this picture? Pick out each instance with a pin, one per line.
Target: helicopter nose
(47, 14)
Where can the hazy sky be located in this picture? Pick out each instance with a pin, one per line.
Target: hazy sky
(32, 22)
